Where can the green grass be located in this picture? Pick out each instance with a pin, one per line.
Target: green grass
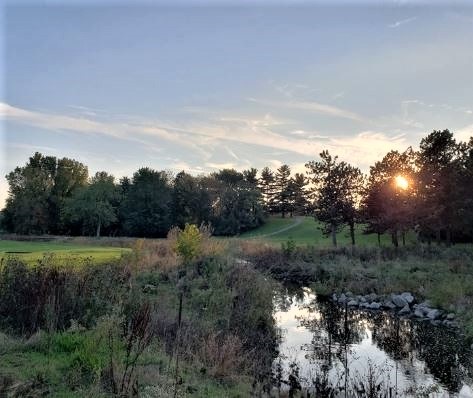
(30, 252)
(309, 232)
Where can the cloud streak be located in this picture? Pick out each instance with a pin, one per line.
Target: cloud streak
(402, 22)
(216, 136)
(313, 107)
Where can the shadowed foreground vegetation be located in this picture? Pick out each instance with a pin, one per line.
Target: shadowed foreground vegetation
(190, 315)
(116, 330)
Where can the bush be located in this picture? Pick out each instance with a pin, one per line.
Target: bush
(47, 296)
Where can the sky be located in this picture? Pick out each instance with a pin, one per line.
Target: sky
(200, 86)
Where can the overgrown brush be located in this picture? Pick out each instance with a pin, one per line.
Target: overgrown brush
(47, 296)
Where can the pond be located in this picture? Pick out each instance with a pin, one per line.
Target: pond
(329, 351)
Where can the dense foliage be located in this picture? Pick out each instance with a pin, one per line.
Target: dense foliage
(433, 197)
(45, 199)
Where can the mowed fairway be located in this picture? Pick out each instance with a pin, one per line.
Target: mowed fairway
(62, 252)
(306, 231)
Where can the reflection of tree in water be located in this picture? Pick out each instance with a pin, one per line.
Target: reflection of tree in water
(391, 334)
(444, 352)
(285, 297)
(334, 331)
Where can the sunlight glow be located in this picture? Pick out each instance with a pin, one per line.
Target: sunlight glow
(401, 182)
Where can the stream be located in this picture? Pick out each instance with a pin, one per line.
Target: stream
(329, 351)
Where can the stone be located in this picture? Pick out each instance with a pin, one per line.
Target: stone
(342, 299)
(352, 303)
(398, 301)
(389, 304)
(433, 314)
(334, 297)
(419, 313)
(371, 297)
(408, 297)
(451, 316)
(405, 310)
(375, 306)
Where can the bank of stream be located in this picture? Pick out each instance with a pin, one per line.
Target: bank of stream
(331, 350)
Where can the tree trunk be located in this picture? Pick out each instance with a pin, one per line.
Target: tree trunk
(394, 239)
(352, 233)
(98, 228)
(437, 237)
(379, 239)
(403, 238)
(334, 235)
(449, 237)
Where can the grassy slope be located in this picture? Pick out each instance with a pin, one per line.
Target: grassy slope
(309, 232)
(32, 251)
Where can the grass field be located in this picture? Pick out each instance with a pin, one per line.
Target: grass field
(33, 251)
(306, 231)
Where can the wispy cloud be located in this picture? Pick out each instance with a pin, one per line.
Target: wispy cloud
(206, 138)
(401, 22)
(314, 107)
(124, 131)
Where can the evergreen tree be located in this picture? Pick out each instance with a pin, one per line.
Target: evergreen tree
(283, 189)
(388, 207)
(326, 177)
(437, 163)
(267, 187)
(298, 195)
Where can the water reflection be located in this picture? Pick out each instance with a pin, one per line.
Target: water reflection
(335, 351)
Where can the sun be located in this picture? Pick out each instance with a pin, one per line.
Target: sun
(401, 182)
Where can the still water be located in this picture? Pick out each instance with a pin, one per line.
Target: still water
(330, 351)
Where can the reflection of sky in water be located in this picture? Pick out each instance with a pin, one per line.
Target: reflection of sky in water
(297, 346)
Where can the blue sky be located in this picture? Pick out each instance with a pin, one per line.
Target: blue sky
(199, 86)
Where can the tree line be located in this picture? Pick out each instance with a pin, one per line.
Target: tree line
(428, 191)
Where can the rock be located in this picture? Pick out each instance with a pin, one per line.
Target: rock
(408, 297)
(405, 310)
(374, 306)
(364, 305)
(360, 299)
(334, 297)
(371, 297)
(389, 304)
(342, 299)
(398, 301)
(352, 303)
(451, 316)
(419, 313)
(433, 314)
(349, 294)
